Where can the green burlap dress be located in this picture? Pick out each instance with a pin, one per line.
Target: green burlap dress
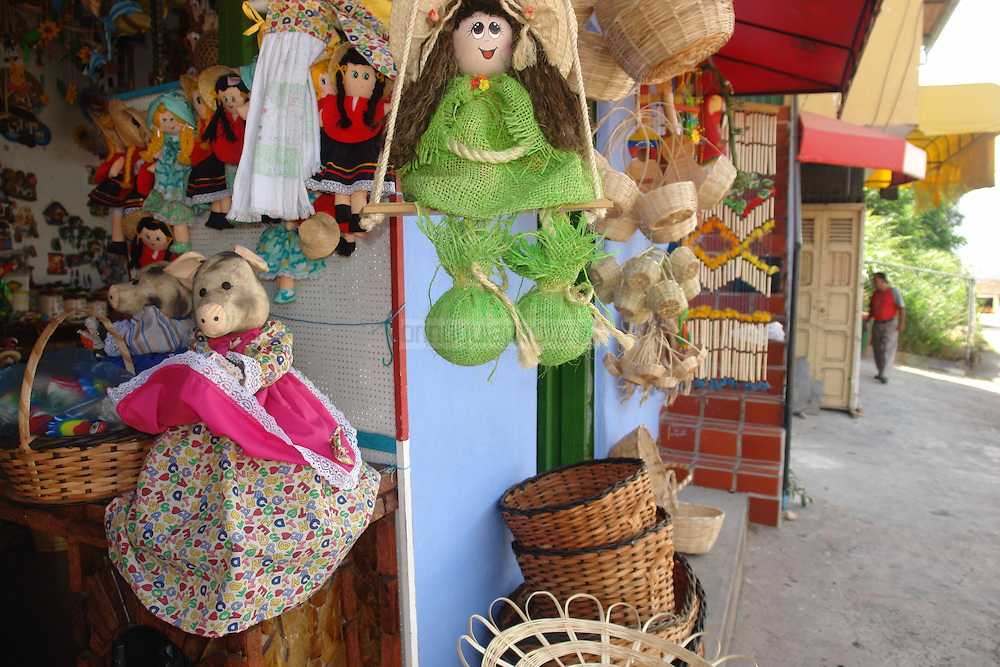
(491, 120)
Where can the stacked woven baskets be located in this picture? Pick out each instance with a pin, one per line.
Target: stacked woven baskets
(594, 528)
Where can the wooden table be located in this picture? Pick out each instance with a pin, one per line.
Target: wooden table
(82, 526)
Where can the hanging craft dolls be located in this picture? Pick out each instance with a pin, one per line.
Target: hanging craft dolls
(490, 125)
(142, 183)
(202, 148)
(289, 257)
(255, 490)
(150, 238)
(115, 176)
(172, 121)
(226, 96)
(351, 121)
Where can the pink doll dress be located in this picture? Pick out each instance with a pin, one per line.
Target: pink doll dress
(250, 497)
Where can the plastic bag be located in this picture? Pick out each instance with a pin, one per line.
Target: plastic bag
(68, 397)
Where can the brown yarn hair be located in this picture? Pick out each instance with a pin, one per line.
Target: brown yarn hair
(557, 109)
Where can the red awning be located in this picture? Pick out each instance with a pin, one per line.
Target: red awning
(803, 46)
(829, 141)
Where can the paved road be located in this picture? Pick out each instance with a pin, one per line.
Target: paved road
(897, 560)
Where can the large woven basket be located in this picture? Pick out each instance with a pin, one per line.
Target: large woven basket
(638, 571)
(71, 469)
(671, 233)
(603, 79)
(656, 40)
(587, 504)
(620, 228)
(679, 625)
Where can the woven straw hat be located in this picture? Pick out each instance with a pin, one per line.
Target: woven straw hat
(130, 224)
(125, 123)
(553, 27)
(334, 55)
(207, 80)
(189, 84)
(319, 235)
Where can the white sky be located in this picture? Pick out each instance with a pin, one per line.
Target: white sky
(968, 51)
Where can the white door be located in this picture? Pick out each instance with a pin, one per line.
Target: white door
(828, 323)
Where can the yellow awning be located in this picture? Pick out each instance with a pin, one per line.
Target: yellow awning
(958, 127)
(884, 93)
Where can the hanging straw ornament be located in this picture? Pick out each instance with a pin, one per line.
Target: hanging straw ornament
(557, 310)
(473, 322)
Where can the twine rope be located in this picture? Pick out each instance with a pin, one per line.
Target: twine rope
(481, 155)
(528, 349)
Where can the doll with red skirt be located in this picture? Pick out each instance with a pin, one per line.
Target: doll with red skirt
(211, 181)
(352, 122)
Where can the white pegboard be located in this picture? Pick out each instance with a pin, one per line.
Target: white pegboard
(339, 342)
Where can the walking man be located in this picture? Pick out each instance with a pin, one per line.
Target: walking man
(887, 311)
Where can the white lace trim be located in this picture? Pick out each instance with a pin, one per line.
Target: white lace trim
(326, 468)
(252, 373)
(350, 436)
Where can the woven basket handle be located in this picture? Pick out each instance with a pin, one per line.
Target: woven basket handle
(23, 404)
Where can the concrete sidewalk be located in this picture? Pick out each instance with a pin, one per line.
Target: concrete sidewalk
(895, 560)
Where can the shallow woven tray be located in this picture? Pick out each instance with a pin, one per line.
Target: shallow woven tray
(582, 505)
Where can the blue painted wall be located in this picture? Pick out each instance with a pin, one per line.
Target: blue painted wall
(471, 438)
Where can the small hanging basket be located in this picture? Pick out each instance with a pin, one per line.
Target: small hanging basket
(656, 40)
(692, 288)
(631, 304)
(667, 205)
(619, 229)
(583, 9)
(720, 178)
(622, 191)
(683, 264)
(643, 270)
(605, 272)
(671, 233)
(696, 527)
(666, 298)
(72, 469)
(603, 79)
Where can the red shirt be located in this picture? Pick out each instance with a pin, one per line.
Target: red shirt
(229, 151)
(883, 305)
(355, 107)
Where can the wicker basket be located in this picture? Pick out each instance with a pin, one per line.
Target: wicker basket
(604, 294)
(720, 178)
(666, 298)
(692, 288)
(674, 625)
(582, 505)
(619, 229)
(667, 205)
(696, 527)
(683, 264)
(656, 40)
(631, 304)
(72, 469)
(671, 233)
(603, 79)
(606, 272)
(622, 191)
(583, 9)
(637, 572)
(643, 270)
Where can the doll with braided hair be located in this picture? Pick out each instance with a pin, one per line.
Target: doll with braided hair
(351, 120)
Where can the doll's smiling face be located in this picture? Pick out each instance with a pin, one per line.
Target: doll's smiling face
(483, 44)
(359, 80)
(168, 123)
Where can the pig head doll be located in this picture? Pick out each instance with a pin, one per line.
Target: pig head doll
(255, 489)
(160, 324)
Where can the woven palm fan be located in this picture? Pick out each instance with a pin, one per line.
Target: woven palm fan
(414, 26)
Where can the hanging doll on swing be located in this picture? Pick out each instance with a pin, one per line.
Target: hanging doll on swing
(352, 120)
(489, 125)
(226, 96)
